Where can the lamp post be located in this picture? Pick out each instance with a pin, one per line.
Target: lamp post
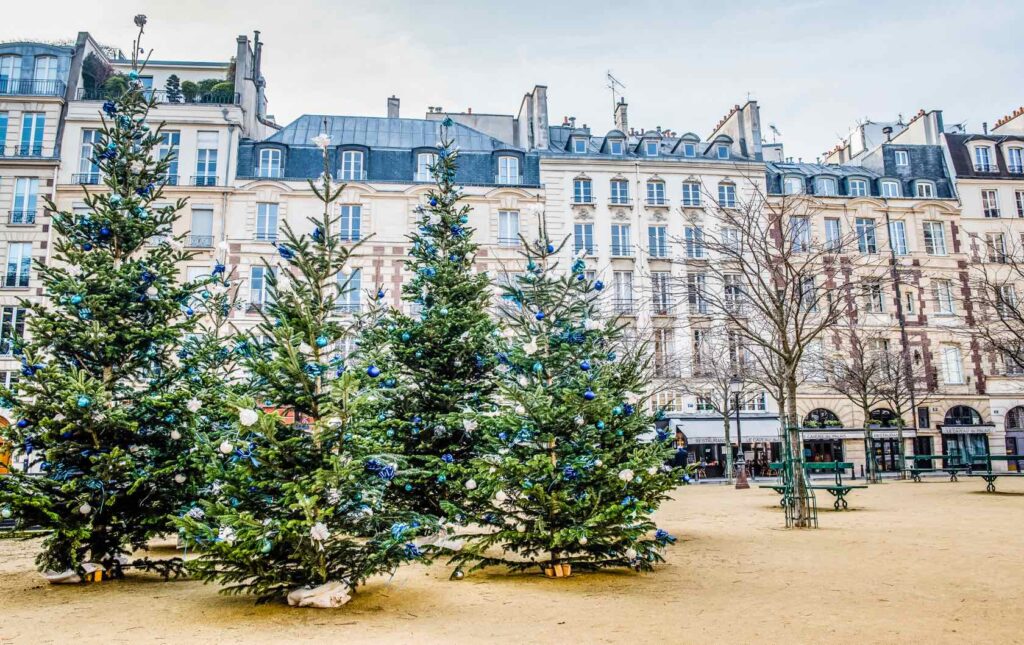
(736, 387)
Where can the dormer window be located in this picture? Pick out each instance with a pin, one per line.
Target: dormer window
(890, 188)
(1015, 160)
(902, 158)
(793, 186)
(615, 146)
(352, 166)
(651, 148)
(825, 186)
(269, 163)
(925, 189)
(689, 150)
(424, 162)
(983, 159)
(579, 145)
(508, 170)
(858, 188)
(722, 151)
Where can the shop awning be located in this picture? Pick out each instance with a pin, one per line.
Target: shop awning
(855, 433)
(982, 429)
(711, 430)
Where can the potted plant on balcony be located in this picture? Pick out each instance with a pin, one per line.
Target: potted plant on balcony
(189, 90)
(173, 89)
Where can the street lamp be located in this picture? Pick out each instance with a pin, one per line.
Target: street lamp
(736, 387)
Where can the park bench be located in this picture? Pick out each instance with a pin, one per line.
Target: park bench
(779, 486)
(950, 468)
(839, 490)
(989, 475)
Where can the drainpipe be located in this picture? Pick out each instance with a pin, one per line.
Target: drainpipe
(227, 178)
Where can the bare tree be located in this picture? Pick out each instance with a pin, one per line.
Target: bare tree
(903, 388)
(777, 286)
(995, 274)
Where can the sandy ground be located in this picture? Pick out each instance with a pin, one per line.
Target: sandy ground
(934, 562)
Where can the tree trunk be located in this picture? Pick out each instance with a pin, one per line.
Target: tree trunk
(728, 446)
(801, 511)
(869, 449)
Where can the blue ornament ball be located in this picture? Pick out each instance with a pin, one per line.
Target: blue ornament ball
(600, 425)
(87, 246)
(589, 395)
(22, 423)
(321, 341)
(539, 315)
(537, 367)
(599, 285)
(405, 337)
(585, 365)
(551, 248)
(373, 371)
(84, 401)
(433, 201)
(408, 487)
(617, 410)
(75, 299)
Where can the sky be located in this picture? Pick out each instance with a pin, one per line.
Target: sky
(816, 67)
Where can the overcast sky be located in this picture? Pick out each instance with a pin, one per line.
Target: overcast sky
(815, 67)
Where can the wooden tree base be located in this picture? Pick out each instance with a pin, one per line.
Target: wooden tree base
(560, 570)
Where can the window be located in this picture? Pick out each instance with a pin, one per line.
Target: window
(45, 75)
(621, 245)
(909, 304)
(934, 238)
(3, 129)
(583, 239)
(858, 188)
(10, 74)
(615, 146)
(32, 126)
(9, 379)
(800, 234)
(756, 403)
(89, 171)
(26, 190)
(651, 148)
(350, 222)
(952, 365)
(657, 241)
(874, 298)
(1015, 160)
(620, 191)
(727, 195)
(691, 193)
(944, 297)
(508, 228)
(661, 282)
(1013, 365)
(825, 186)
(1006, 299)
(12, 326)
(19, 262)
(995, 244)
(925, 189)
(352, 165)
(700, 361)
(808, 294)
(170, 141)
(793, 186)
(622, 281)
(266, 222)
(833, 234)
(350, 291)
(259, 293)
(694, 237)
(582, 191)
(1020, 203)
(206, 159)
(689, 150)
(739, 355)
(866, 235)
(722, 152)
(990, 203)
(902, 158)
(656, 193)
(696, 294)
(424, 162)
(579, 145)
(508, 170)
(731, 239)
(898, 237)
(890, 189)
(663, 352)
(201, 233)
(983, 159)
(270, 163)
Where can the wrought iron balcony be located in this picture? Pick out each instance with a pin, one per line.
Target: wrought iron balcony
(32, 87)
(585, 200)
(200, 241)
(986, 167)
(663, 308)
(657, 202)
(89, 178)
(423, 176)
(265, 236)
(622, 251)
(21, 217)
(162, 96)
(623, 306)
(204, 180)
(347, 307)
(589, 249)
(659, 252)
(620, 201)
(509, 241)
(29, 150)
(170, 180)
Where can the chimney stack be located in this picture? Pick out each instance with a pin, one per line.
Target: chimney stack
(984, 127)
(887, 131)
(621, 119)
(393, 107)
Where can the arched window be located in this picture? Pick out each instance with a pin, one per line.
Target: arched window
(508, 170)
(1015, 418)
(424, 162)
(883, 418)
(820, 417)
(269, 164)
(962, 415)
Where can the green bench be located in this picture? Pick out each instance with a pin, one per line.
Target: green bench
(950, 469)
(839, 490)
(779, 487)
(990, 475)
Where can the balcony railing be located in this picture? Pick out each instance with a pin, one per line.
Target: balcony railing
(589, 249)
(171, 180)
(204, 180)
(699, 308)
(664, 308)
(1015, 170)
(657, 202)
(351, 176)
(269, 173)
(265, 236)
(32, 87)
(88, 179)
(622, 251)
(25, 150)
(22, 217)
(620, 201)
(587, 200)
(200, 241)
(623, 305)
(508, 180)
(161, 96)
(508, 241)
(658, 252)
(986, 167)
(347, 307)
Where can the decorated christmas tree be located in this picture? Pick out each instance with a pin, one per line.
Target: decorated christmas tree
(298, 501)
(436, 362)
(560, 469)
(104, 412)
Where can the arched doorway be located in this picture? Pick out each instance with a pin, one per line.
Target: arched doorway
(822, 418)
(882, 418)
(963, 438)
(822, 447)
(1014, 426)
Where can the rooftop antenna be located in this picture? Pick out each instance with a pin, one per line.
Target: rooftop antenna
(613, 85)
(775, 132)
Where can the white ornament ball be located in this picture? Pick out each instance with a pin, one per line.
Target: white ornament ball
(598, 463)
(152, 292)
(631, 554)
(583, 540)
(520, 409)
(179, 478)
(248, 417)
(626, 475)
(580, 421)
(85, 509)
(175, 435)
(652, 470)
(471, 484)
(193, 405)
(500, 496)
(226, 447)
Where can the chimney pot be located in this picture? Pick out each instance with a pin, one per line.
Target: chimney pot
(984, 127)
(469, 110)
(393, 103)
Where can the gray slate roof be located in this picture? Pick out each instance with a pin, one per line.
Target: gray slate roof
(381, 132)
(815, 169)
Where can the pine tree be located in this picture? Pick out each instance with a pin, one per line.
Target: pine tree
(298, 498)
(173, 89)
(561, 477)
(103, 408)
(436, 365)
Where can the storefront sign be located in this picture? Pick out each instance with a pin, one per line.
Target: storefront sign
(966, 429)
